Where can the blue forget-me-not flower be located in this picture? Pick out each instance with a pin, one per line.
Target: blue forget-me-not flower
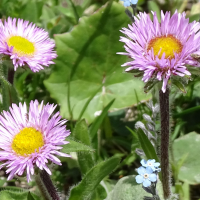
(151, 163)
(146, 176)
(129, 2)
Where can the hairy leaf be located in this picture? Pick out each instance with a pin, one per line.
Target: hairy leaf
(87, 57)
(84, 190)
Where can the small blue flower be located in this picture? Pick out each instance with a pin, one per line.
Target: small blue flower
(129, 2)
(134, 2)
(146, 176)
(151, 163)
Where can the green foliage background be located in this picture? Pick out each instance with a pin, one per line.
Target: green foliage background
(87, 79)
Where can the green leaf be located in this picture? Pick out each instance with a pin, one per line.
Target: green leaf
(9, 94)
(177, 130)
(133, 133)
(177, 165)
(107, 127)
(75, 146)
(81, 132)
(30, 197)
(12, 188)
(127, 189)
(99, 194)
(19, 81)
(194, 18)
(2, 181)
(32, 11)
(85, 189)
(194, 70)
(188, 145)
(87, 103)
(182, 6)
(4, 195)
(195, 9)
(85, 159)
(147, 146)
(10, 90)
(88, 53)
(14, 195)
(179, 85)
(68, 12)
(86, 3)
(186, 191)
(152, 5)
(187, 111)
(97, 123)
(140, 2)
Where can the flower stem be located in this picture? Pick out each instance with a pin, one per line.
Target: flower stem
(6, 100)
(11, 73)
(46, 186)
(164, 149)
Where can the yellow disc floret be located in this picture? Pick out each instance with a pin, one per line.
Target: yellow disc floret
(27, 141)
(165, 44)
(22, 46)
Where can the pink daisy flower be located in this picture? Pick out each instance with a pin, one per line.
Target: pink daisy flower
(30, 139)
(161, 50)
(26, 44)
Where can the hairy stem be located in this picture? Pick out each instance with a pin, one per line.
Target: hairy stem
(164, 149)
(46, 186)
(11, 73)
(6, 100)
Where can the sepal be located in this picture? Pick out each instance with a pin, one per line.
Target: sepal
(148, 189)
(195, 71)
(179, 83)
(150, 84)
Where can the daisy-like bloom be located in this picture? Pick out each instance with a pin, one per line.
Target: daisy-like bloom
(146, 176)
(26, 44)
(31, 138)
(163, 49)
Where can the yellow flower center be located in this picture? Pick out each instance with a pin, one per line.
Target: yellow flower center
(22, 46)
(165, 44)
(27, 141)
